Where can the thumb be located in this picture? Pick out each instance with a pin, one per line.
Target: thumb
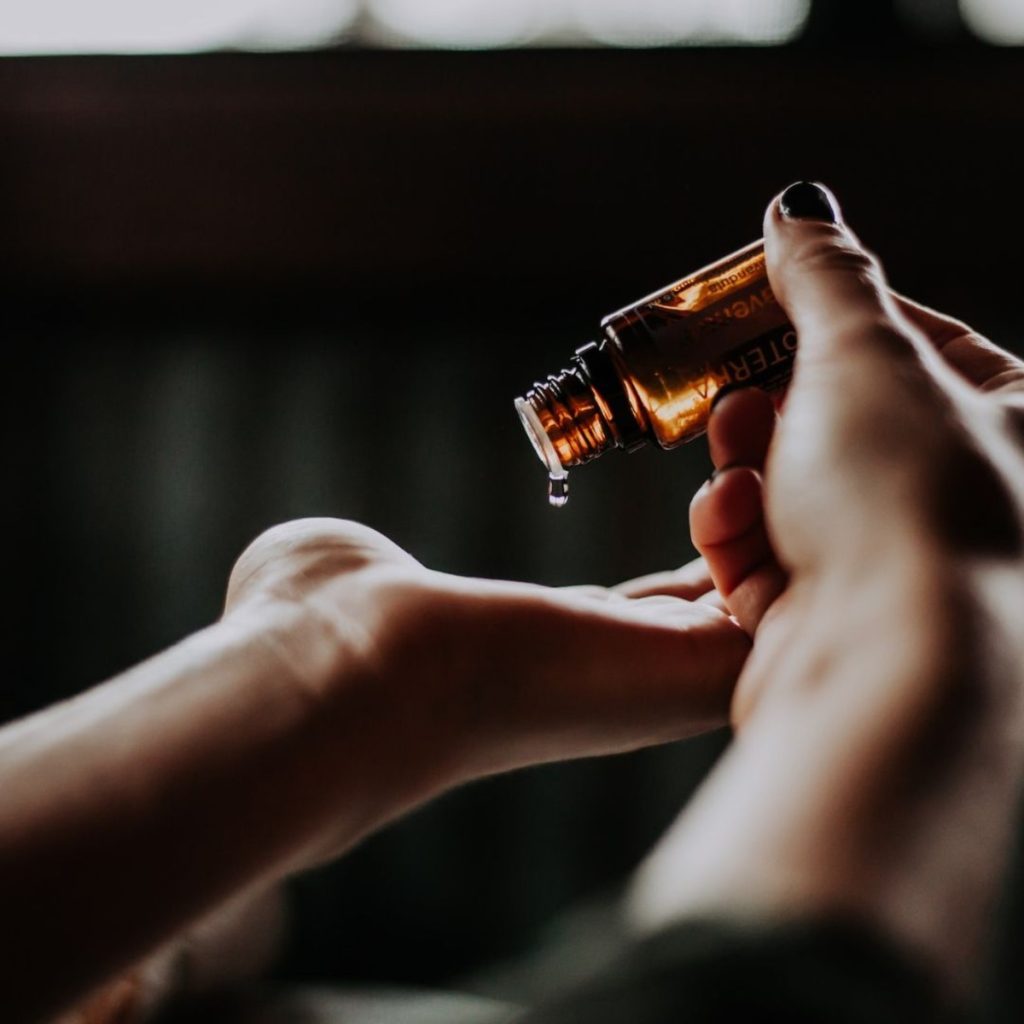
(833, 289)
(871, 406)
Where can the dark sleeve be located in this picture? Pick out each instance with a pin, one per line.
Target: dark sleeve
(798, 973)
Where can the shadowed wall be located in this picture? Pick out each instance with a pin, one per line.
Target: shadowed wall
(239, 289)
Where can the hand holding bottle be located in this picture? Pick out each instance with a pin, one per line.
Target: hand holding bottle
(900, 454)
(873, 539)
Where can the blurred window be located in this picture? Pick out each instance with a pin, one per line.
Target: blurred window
(995, 21)
(473, 23)
(155, 26)
(169, 26)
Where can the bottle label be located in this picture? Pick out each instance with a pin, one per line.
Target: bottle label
(766, 363)
(720, 327)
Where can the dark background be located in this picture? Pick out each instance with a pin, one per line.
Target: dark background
(239, 288)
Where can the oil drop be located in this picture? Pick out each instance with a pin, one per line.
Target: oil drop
(558, 491)
(558, 473)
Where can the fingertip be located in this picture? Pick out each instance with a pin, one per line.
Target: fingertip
(727, 526)
(728, 506)
(804, 211)
(740, 428)
(805, 201)
(689, 581)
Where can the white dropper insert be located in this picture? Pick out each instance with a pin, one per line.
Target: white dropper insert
(558, 475)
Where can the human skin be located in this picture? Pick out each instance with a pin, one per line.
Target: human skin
(345, 684)
(879, 713)
(870, 539)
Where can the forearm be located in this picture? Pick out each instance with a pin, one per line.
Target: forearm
(134, 809)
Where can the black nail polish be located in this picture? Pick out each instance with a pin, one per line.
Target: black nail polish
(726, 389)
(807, 201)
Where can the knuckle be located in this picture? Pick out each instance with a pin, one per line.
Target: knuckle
(837, 254)
(331, 544)
(886, 353)
(315, 532)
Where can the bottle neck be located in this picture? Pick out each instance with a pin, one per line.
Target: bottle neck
(583, 411)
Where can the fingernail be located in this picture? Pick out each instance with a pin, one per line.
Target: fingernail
(725, 389)
(806, 201)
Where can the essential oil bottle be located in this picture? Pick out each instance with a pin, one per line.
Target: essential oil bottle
(658, 366)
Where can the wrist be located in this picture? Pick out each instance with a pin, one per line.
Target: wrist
(378, 735)
(302, 648)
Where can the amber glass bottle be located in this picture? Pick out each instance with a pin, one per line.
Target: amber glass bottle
(659, 364)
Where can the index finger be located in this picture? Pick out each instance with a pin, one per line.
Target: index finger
(978, 360)
(690, 582)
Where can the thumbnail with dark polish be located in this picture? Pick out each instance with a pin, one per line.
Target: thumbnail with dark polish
(807, 201)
